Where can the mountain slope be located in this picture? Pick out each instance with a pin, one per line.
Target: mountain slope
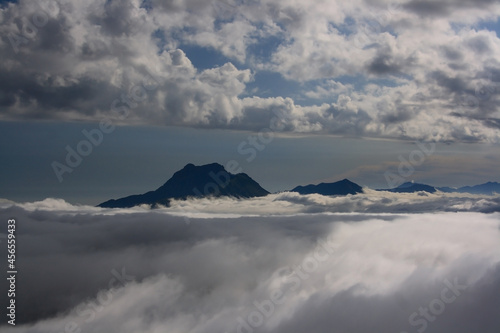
(343, 187)
(413, 187)
(195, 181)
(489, 188)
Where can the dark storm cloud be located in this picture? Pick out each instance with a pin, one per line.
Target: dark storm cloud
(346, 121)
(36, 30)
(488, 122)
(402, 113)
(451, 84)
(429, 8)
(453, 54)
(55, 36)
(382, 65)
(86, 95)
(492, 123)
(479, 44)
(386, 63)
(116, 18)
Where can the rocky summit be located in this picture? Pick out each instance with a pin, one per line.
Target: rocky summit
(210, 180)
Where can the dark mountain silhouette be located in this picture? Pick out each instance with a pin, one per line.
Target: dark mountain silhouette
(446, 189)
(412, 187)
(214, 180)
(488, 188)
(195, 181)
(343, 187)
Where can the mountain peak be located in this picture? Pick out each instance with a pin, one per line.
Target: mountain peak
(488, 188)
(211, 166)
(412, 187)
(195, 181)
(343, 187)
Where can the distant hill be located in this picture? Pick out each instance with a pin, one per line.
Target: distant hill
(413, 187)
(194, 181)
(488, 188)
(446, 189)
(343, 187)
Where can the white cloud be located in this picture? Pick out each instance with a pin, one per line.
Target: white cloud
(289, 204)
(427, 60)
(371, 201)
(152, 272)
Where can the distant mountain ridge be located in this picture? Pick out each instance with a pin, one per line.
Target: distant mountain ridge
(213, 180)
(412, 188)
(194, 181)
(343, 187)
(488, 188)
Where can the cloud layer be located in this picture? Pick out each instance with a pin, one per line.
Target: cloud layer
(399, 69)
(97, 270)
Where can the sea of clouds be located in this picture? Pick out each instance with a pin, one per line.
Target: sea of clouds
(374, 262)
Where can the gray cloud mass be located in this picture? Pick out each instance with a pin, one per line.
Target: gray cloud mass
(199, 266)
(81, 57)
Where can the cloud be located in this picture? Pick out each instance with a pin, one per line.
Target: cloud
(148, 272)
(286, 204)
(413, 75)
(371, 201)
(447, 8)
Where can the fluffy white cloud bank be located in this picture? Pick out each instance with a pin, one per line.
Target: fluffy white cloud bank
(371, 201)
(288, 204)
(423, 70)
(150, 271)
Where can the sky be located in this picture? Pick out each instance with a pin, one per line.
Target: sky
(295, 92)
(102, 99)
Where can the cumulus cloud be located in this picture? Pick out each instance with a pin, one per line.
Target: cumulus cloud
(417, 75)
(132, 271)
